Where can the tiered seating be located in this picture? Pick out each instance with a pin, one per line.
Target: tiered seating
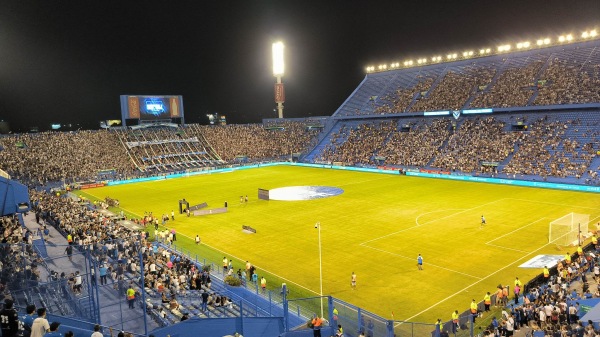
(163, 149)
(558, 75)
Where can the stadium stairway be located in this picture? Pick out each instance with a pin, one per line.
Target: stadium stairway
(318, 149)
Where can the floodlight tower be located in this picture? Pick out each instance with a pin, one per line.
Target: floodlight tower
(278, 73)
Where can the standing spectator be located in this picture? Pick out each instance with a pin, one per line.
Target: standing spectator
(204, 300)
(420, 262)
(103, 270)
(40, 325)
(69, 252)
(53, 330)
(9, 319)
(97, 332)
(173, 215)
(317, 323)
(28, 320)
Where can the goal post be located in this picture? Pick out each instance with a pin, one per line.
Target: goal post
(565, 230)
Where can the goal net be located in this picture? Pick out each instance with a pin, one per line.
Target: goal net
(565, 230)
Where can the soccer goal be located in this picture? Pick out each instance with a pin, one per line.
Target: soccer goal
(565, 230)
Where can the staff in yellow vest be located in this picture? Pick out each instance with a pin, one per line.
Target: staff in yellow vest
(579, 251)
(263, 284)
(546, 272)
(454, 321)
(131, 297)
(487, 301)
(568, 258)
(594, 239)
(439, 324)
(518, 282)
(473, 310)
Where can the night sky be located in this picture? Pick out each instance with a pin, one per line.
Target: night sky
(68, 61)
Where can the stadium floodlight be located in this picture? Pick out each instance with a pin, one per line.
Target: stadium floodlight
(278, 70)
(278, 65)
(489, 50)
(585, 35)
(561, 38)
(547, 41)
(569, 37)
(540, 42)
(593, 33)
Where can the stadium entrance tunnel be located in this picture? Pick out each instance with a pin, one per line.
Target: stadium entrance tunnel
(294, 193)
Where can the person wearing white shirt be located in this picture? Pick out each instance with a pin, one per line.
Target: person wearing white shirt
(40, 325)
(96, 332)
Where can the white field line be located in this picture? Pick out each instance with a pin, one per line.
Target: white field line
(437, 219)
(516, 230)
(428, 264)
(502, 247)
(473, 284)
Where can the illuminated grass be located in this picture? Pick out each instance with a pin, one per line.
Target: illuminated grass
(375, 228)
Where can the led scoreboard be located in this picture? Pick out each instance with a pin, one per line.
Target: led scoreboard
(145, 108)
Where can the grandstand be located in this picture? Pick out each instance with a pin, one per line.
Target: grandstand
(525, 116)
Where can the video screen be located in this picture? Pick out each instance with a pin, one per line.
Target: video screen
(154, 108)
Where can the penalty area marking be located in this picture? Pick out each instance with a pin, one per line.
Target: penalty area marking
(462, 210)
(471, 285)
(489, 243)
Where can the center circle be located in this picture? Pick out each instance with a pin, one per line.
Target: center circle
(294, 193)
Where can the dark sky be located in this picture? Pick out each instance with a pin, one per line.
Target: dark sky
(68, 61)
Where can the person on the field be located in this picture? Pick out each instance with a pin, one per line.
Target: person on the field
(420, 262)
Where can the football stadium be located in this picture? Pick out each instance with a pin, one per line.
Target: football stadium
(453, 195)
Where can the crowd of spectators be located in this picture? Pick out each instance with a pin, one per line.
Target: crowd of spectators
(256, 142)
(120, 252)
(570, 80)
(36, 159)
(400, 100)
(550, 305)
(566, 77)
(418, 144)
(512, 88)
(477, 140)
(159, 149)
(356, 146)
(455, 88)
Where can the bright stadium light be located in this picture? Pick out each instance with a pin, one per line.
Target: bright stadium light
(561, 38)
(278, 59)
(569, 37)
(489, 50)
(593, 33)
(547, 40)
(585, 35)
(540, 42)
(278, 73)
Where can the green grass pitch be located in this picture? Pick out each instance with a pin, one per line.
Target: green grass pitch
(376, 228)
